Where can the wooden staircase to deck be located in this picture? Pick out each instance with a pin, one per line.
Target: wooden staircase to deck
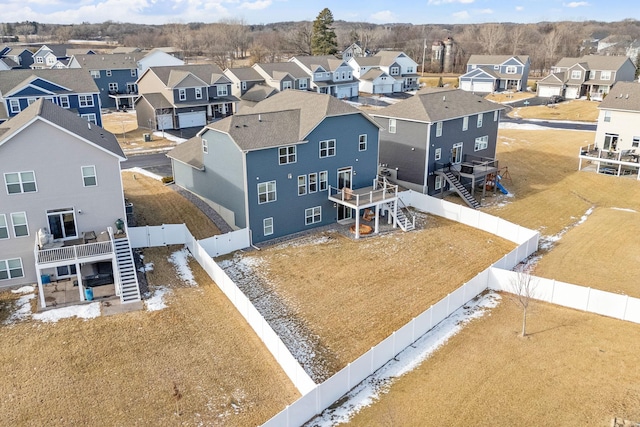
(462, 192)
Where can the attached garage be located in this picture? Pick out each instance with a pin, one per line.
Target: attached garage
(165, 121)
(343, 92)
(192, 119)
(547, 91)
(465, 85)
(482, 87)
(572, 92)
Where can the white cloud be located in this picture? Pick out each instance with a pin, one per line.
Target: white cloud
(576, 4)
(439, 2)
(383, 16)
(519, 8)
(256, 5)
(461, 16)
(485, 11)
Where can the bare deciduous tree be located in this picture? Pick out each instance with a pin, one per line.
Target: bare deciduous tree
(491, 37)
(301, 39)
(524, 290)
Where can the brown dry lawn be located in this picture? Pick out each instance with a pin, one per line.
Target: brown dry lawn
(121, 370)
(131, 138)
(574, 110)
(433, 81)
(574, 369)
(509, 96)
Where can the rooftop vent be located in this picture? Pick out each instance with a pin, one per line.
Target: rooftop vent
(259, 117)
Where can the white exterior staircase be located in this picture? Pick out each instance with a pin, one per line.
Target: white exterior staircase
(129, 287)
(406, 221)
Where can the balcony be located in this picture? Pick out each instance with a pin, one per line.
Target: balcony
(63, 252)
(611, 162)
(380, 192)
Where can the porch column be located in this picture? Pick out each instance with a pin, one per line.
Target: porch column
(377, 220)
(357, 223)
(116, 276)
(43, 304)
(395, 213)
(79, 277)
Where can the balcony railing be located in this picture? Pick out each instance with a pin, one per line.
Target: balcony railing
(70, 250)
(381, 191)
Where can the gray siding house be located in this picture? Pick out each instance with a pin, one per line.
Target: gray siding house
(295, 161)
(438, 131)
(61, 199)
(496, 73)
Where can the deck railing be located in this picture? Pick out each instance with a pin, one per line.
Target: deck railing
(381, 190)
(71, 253)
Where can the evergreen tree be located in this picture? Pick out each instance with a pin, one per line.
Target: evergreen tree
(323, 38)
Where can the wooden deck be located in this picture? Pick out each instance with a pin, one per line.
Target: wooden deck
(363, 197)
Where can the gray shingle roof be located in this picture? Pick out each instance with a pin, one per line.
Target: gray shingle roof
(368, 61)
(276, 69)
(66, 120)
(372, 74)
(76, 80)
(189, 152)
(258, 92)
(245, 74)
(114, 61)
(495, 59)
(594, 62)
(328, 62)
(172, 75)
(622, 96)
(434, 105)
(388, 57)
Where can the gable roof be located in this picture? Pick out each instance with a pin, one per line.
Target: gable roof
(170, 75)
(284, 118)
(278, 70)
(495, 59)
(373, 74)
(622, 96)
(246, 74)
(434, 105)
(113, 61)
(71, 122)
(594, 62)
(189, 152)
(258, 92)
(367, 61)
(328, 62)
(388, 57)
(76, 80)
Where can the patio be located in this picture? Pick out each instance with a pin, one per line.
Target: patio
(63, 293)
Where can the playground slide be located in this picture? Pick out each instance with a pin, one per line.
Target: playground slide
(501, 188)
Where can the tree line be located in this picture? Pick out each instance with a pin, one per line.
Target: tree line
(230, 40)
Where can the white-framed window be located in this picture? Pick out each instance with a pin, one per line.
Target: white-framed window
(182, 94)
(343, 75)
(438, 128)
(113, 87)
(30, 101)
(205, 146)
(511, 69)
(90, 117)
(392, 125)
(287, 155)
(592, 74)
(302, 83)
(198, 93)
(132, 88)
(479, 122)
(19, 223)
(89, 177)
(635, 142)
(465, 123)
(394, 71)
(495, 115)
(39, 60)
(302, 185)
(576, 74)
(11, 268)
(95, 74)
(317, 76)
(108, 73)
(456, 153)
(323, 178)
(286, 85)
(409, 70)
(313, 215)
(267, 226)
(4, 228)
(362, 142)
(482, 142)
(328, 148)
(244, 85)
(605, 75)
(64, 101)
(20, 182)
(221, 90)
(134, 72)
(496, 67)
(438, 154)
(438, 182)
(349, 75)
(607, 116)
(313, 182)
(14, 105)
(85, 100)
(266, 192)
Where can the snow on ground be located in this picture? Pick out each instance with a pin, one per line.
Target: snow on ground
(180, 260)
(145, 173)
(371, 389)
(547, 242)
(23, 307)
(625, 210)
(85, 311)
(169, 137)
(522, 126)
(24, 290)
(147, 267)
(156, 301)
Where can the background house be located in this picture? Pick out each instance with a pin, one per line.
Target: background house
(62, 189)
(433, 129)
(329, 75)
(271, 168)
(283, 75)
(590, 75)
(385, 72)
(74, 90)
(495, 73)
(157, 58)
(183, 96)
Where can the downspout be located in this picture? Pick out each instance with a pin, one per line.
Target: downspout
(246, 196)
(426, 161)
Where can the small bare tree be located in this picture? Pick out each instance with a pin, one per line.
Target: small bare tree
(524, 290)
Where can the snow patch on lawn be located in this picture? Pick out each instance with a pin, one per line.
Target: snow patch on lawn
(145, 173)
(23, 307)
(180, 260)
(169, 137)
(156, 301)
(522, 126)
(147, 267)
(547, 242)
(24, 290)
(85, 311)
(625, 210)
(372, 388)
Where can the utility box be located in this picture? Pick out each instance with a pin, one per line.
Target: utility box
(147, 137)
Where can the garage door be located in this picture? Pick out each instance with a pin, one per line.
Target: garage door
(571, 93)
(465, 85)
(189, 120)
(547, 91)
(165, 121)
(483, 87)
(343, 92)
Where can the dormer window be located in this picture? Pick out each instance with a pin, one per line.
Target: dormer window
(198, 93)
(222, 90)
(576, 74)
(182, 94)
(394, 71)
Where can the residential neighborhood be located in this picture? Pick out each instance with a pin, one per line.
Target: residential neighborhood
(241, 223)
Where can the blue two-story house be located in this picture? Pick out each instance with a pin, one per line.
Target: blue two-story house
(295, 161)
(329, 74)
(496, 73)
(74, 90)
(178, 97)
(114, 74)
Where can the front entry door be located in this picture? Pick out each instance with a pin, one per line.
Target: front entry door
(344, 181)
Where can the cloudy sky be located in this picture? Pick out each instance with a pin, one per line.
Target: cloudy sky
(267, 11)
